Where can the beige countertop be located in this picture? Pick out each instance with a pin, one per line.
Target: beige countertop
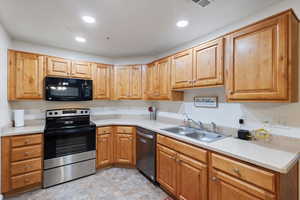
(262, 155)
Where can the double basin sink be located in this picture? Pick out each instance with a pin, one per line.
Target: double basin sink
(197, 134)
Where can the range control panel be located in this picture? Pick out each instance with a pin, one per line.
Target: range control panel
(67, 112)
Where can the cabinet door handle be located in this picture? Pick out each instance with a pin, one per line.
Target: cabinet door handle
(237, 171)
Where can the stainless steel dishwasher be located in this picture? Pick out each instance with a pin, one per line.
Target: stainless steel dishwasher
(146, 153)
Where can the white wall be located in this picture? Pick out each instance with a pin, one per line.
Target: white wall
(4, 106)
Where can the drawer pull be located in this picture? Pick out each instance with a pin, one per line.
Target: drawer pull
(237, 171)
(26, 153)
(214, 178)
(27, 180)
(27, 141)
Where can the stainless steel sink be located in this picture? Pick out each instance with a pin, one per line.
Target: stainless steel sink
(197, 134)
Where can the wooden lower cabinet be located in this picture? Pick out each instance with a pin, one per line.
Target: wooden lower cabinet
(166, 168)
(182, 176)
(21, 163)
(104, 147)
(224, 187)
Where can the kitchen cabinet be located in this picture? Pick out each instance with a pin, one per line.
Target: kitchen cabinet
(262, 61)
(58, 66)
(81, 70)
(128, 82)
(159, 81)
(208, 64)
(21, 163)
(124, 143)
(182, 70)
(180, 170)
(26, 74)
(104, 147)
(102, 81)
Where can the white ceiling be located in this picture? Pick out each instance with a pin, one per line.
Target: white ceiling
(135, 27)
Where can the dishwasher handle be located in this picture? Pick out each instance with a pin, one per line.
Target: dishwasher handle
(151, 137)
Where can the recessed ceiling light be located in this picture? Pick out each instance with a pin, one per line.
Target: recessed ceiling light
(88, 19)
(80, 39)
(182, 23)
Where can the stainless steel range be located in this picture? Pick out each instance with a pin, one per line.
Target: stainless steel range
(70, 146)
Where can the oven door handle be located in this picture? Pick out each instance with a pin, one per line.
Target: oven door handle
(69, 131)
(151, 137)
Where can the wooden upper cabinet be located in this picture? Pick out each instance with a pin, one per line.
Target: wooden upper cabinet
(122, 82)
(261, 61)
(26, 75)
(81, 70)
(128, 82)
(159, 81)
(102, 81)
(136, 82)
(58, 66)
(182, 70)
(208, 64)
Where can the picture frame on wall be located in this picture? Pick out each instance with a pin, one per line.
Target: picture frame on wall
(206, 101)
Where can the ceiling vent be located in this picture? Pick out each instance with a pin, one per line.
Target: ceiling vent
(202, 3)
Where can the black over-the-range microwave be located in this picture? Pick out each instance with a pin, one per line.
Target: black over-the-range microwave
(68, 89)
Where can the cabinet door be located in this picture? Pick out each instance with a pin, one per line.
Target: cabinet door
(191, 179)
(81, 70)
(152, 81)
(122, 82)
(164, 77)
(166, 168)
(136, 82)
(101, 81)
(29, 76)
(224, 187)
(124, 149)
(104, 150)
(257, 61)
(182, 70)
(58, 66)
(208, 64)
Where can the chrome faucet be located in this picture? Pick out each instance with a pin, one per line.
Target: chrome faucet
(213, 127)
(198, 123)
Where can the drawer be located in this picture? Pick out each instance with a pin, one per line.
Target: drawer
(22, 167)
(181, 147)
(125, 129)
(104, 130)
(24, 153)
(18, 141)
(245, 172)
(26, 180)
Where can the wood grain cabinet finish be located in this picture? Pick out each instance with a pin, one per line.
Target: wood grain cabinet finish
(102, 81)
(262, 61)
(180, 174)
(182, 70)
(158, 82)
(104, 147)
(26, 75)
(21, 163)
(58, 66)
(128, 82)
(81, 69)
(208, 64)
(125, 145)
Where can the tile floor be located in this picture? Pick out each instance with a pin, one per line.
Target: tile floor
(108, 184)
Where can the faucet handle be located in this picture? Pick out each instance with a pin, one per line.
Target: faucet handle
(213, 126)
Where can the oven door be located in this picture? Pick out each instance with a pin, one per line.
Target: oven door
(67, 141)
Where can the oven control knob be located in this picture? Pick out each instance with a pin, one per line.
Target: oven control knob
(55, 113)
(50, 113)
(81, 112)
(86, 112)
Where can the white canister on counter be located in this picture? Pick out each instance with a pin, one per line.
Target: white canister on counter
(18, 118)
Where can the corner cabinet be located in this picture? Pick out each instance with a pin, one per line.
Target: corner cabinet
(262, 61)
(102, 81)
(128, 82)
(158, 81)
(26, 74)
